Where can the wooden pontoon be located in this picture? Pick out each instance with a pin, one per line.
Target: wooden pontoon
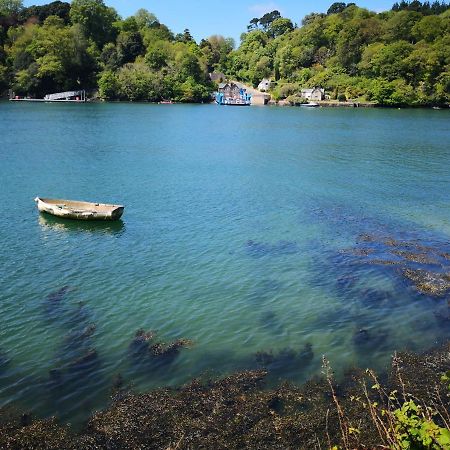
(71, 209)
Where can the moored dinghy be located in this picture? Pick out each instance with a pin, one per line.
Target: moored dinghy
(72, 209)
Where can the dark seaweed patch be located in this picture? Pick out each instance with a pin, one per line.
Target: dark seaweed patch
(58, 295)
(427, 282)
(235, 412)
(54, 305)
(365, 340)
(284, 360)
(144, 349)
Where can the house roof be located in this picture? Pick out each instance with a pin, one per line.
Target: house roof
(310, 91)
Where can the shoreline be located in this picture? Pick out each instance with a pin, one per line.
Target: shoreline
(281, 103)
(237, 411)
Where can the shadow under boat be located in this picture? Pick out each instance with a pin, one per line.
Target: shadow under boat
(48, 221)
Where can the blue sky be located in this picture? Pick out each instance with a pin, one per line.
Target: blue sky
(229, 18)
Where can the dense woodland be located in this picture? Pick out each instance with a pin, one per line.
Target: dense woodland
(397, 57)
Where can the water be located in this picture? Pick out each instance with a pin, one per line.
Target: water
(233, 235)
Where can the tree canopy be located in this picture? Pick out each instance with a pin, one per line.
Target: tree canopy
(396, 57)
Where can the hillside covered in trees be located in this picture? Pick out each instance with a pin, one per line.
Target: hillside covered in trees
(397, 57)
(400, 56)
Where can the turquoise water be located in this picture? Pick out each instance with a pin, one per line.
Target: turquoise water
(235, 235)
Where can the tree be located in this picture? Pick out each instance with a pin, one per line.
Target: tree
(400, 25)
(266, 20)
(253, 24)
(216, 49)
(145, 19)
(108, 85)
(10, 7)
(157, 56)
(96, 19)
(56, 8)
(336, 8)
(280, 26)
(185, 36)
(429, 28)
(129, 46)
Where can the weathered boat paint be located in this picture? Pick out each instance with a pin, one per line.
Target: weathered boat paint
(72, 209)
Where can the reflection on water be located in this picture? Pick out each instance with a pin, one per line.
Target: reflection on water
(48, 221)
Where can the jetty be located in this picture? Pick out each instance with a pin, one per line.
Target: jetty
(58, 97)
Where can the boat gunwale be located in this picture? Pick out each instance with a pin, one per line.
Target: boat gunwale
(68, 204)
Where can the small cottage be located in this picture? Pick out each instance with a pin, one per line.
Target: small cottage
(313, 94)
(264, 86)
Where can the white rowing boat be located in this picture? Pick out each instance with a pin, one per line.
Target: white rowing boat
(71, 209)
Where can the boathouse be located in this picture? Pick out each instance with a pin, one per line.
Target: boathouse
(232, 94)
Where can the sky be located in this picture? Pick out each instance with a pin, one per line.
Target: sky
(230, 18)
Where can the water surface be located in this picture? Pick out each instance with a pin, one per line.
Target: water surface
(238, 234)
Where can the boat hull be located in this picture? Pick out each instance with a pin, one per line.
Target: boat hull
(77, 210)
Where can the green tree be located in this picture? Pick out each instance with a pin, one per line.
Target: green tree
(96, 19)
(10, 7)
(336, 8)
(157, 56)
(429, 28)
(280, 26)
(400, 25)
(267, 19)
(108, 85)
(129, 46)
(145, 19)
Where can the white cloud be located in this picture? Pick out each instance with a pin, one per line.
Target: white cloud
(260, 9)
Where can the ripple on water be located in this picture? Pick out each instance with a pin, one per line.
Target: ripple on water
(264, 243)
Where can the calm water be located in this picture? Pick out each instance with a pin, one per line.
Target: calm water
(234, 235)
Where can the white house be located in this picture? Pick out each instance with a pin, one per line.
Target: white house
(313, 94)
(264, 86)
